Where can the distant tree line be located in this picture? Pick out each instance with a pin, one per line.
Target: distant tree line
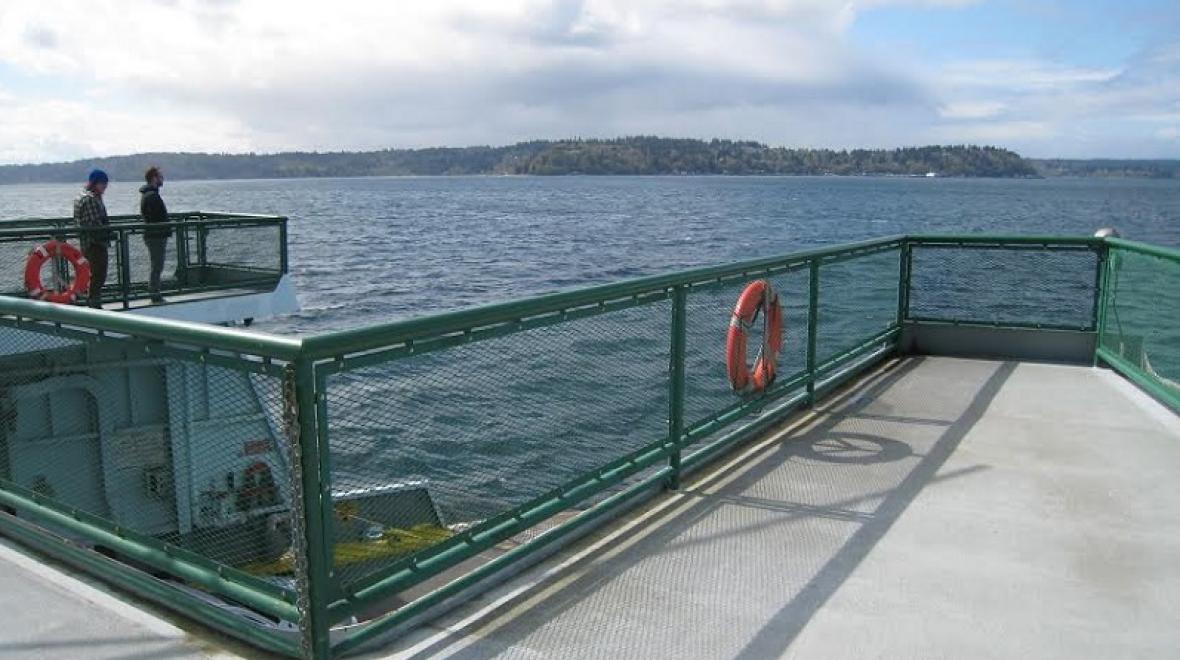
(629, 155)
(1105, 167)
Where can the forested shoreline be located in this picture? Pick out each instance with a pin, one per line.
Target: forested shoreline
(622, 156)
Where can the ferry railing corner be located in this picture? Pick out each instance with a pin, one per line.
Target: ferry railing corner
(1138, 316)
(207, 252)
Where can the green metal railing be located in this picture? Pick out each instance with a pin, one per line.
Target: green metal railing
(1139, 317)
(206, 252)
(532, 420)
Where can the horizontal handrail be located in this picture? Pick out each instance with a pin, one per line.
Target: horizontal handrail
(269, 601)
(166, 330)
(123, 217)
(1145, 248)
(342, 342)
(211, 223)
(1001, 240)
(339, 343)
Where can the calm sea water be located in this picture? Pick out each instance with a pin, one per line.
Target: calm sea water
(491, 424)
(378, 249)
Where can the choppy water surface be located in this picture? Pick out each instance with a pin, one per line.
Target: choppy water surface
(372, 250)
(494, 423)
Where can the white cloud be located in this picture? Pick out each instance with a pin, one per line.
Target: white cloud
(266, 75)
(1022, 74)
(971, 109)
(51, 130)
(1000, 132)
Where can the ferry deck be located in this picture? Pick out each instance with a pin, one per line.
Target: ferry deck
(942, 485)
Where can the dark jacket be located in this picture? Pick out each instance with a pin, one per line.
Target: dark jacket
(151, 207)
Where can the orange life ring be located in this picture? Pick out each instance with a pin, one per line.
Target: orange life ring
(37, 258)
(757, 297)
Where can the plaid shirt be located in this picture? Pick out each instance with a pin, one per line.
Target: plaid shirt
(89, 211)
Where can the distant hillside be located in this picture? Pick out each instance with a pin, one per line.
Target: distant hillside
(631, 155)
(1105, 167)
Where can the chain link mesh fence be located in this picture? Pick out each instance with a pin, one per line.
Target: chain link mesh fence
(1142, 315)
(216, 254)
(233, 248)
(1011, 285)
(426, 445)
(172, 450)
(139, 264)
(857, 301)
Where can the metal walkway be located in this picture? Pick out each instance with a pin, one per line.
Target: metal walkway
(939, 508)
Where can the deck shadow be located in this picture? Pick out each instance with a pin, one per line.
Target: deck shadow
(714, 489)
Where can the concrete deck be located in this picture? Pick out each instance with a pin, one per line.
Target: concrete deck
(942, 508)
(51, 613)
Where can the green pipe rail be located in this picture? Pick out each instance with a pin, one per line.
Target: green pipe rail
(848, 307)
(208, 251)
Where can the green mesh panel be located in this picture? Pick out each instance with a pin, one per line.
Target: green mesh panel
(154, 444)
(488, 426)
(857, 300)
(246, 248)
(1143, 314)
(1001, 286)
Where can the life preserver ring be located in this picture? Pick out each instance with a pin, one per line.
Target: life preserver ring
(757, 297)
(37, 258)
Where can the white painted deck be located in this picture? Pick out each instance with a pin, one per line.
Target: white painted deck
(942, 508)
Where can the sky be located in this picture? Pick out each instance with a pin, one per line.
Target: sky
(1047, 78)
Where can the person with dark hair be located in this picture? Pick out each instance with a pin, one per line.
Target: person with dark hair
(90, 213)
(154, 212)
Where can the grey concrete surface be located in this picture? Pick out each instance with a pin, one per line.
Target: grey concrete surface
(942, 508)
(51, 614)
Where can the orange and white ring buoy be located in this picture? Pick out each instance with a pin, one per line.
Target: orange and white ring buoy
(758, 296)
(43, 253)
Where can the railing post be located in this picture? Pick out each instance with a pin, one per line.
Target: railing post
(812, 325)
(182, 254)
(125, 268)
(1101, 284)
(310, 487)
(676, 378)
(905, 270)
(283, 263)
(202, 244)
